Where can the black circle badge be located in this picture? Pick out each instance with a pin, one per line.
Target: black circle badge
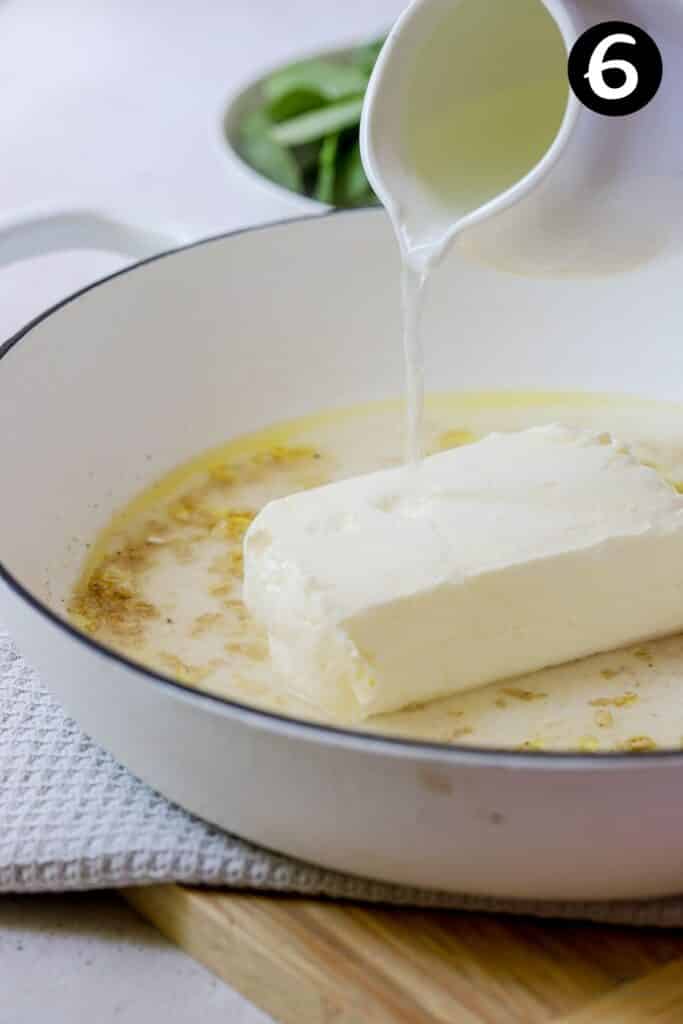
(615, 68)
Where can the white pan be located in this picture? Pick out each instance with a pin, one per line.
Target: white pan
(128, 378)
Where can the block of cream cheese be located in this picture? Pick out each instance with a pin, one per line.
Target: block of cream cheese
(518, 552)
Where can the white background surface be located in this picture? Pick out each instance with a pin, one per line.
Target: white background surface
(115, 105)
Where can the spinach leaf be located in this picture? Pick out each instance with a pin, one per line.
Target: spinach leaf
(293, 103)
(329, 80)
(265, 154)
(317, 123)
(327, 169)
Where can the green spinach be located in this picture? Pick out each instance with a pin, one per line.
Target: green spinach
(304, 133)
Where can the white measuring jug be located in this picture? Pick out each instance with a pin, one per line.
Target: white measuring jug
(470, 131)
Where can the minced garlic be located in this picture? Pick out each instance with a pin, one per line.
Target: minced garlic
(614, 702)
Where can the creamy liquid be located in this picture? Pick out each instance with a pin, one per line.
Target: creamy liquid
(485, 105)
(163, 584)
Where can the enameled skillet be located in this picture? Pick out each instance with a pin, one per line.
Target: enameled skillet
(129, 377)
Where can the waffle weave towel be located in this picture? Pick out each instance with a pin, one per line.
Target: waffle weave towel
(71, 818)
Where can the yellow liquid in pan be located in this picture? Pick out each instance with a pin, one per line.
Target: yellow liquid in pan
(163, 582)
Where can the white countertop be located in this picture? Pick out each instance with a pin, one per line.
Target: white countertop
(87, 957)
(114, 105)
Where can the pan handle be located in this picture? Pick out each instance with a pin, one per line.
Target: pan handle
(36, 232)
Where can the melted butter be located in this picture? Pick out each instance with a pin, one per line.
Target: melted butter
(163, 582)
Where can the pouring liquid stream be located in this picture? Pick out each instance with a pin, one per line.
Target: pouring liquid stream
(413, 280)
(417, 265)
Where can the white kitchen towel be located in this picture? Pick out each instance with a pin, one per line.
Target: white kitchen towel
(71, 818)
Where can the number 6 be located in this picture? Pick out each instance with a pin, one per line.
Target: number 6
(598, 65)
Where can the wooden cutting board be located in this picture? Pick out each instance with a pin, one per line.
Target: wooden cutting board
(314, 962)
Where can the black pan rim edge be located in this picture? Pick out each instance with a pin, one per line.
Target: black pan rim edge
(490, 756)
